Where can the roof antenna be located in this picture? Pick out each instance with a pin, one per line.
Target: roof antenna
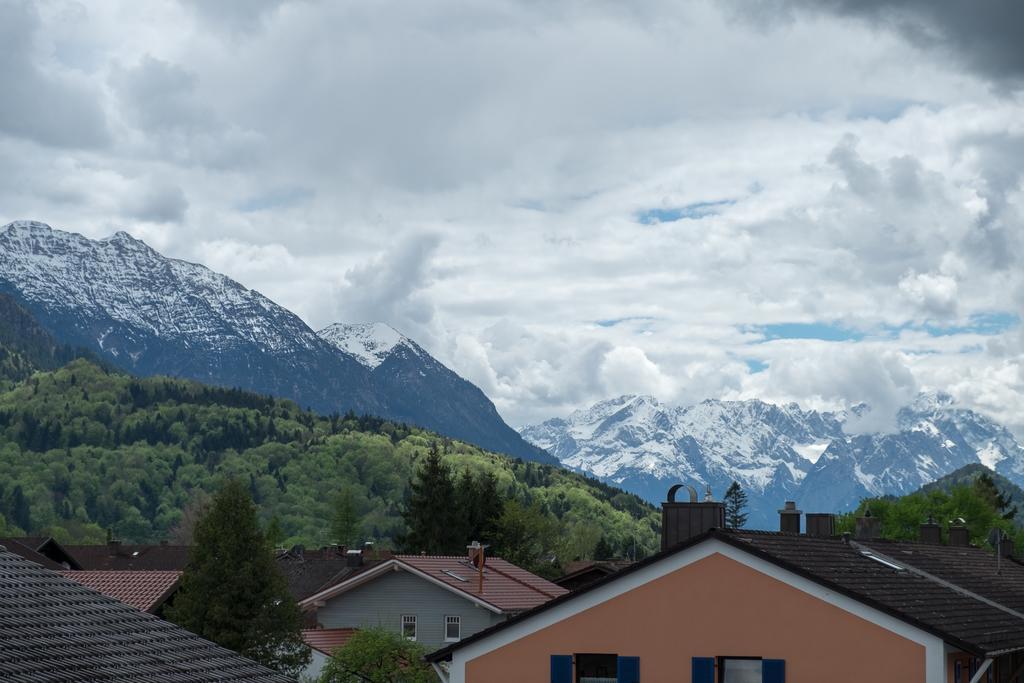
(708, 498)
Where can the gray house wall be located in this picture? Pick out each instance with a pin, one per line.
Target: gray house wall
(383, 601)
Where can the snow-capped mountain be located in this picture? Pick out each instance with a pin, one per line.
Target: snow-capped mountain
(369, 343)
(775, 452)
(150, 314)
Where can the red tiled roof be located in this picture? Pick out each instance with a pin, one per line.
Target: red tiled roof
(327, 640)
(506, 586)
(144, 590)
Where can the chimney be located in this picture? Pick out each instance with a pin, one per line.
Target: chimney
(682, 521)
(868, 527)
(1006, 547)
(472, 551)
(789, 518)
(354, 558)
(959, 535)
(930, 532)
(821, 524)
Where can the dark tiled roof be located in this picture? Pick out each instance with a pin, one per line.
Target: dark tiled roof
(580, 573)
(327, 640)
(144, 590)
(52, 630)
(126, 557)
(950, 592)
(310, 572)
(24, 547)
(933, 605)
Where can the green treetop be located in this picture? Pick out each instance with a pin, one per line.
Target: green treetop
(232, 591)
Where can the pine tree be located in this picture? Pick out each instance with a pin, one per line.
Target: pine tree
(987, 489)
(604, 550)
(433, 521)
(232, 591)
(735, 505)
(345, 521)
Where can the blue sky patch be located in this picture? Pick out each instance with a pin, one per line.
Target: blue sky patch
(982, 323)
(612, 322)
(694, 211)
(755, 366)
(818, 330)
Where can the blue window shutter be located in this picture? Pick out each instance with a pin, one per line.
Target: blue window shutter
(773, 671)
(703, 669)
(629, 670)
(561, 668)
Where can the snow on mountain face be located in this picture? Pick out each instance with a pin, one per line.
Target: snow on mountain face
(369, 343)
(133, 289)
(154, 315)
(775, 452)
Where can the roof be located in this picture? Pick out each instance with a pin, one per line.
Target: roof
(144, 590)
(54, 630)
(159, 557)
(327, 640)
(41, 549)
(506, 589)
(951, 592)
(310, 572)
(24, 547)
(584, 571)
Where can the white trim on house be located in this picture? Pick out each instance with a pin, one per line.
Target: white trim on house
(935, 657)
(391, 565)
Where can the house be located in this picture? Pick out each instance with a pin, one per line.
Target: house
(724, 606)
(430, 599)
(148, 591)
(42, 550)
(54, 630)
(583, 572)
(115, 555)
(309, 571)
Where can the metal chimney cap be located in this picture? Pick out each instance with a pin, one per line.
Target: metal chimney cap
(789, 508)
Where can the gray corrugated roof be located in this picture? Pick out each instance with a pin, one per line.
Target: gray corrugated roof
(52, 630)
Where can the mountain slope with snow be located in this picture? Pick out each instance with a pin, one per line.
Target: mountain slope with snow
(775, 452)
(150, 314)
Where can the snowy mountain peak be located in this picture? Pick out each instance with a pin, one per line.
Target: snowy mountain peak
(369, 343)
(776, 452)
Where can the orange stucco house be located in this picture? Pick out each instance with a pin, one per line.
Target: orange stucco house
(722, 606)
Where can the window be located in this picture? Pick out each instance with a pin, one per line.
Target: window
(409, 626)
(739, 670)
(597, 668)
(452, 629)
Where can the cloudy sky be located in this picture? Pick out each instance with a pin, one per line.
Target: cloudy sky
(817, 201)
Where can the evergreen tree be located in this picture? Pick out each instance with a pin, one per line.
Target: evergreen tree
(434, 523)
(735, 505)
(987, 489)
(604, 550)
(21, 516)
(526, 536)
(274, 533)
(232, 591)
(345, 522)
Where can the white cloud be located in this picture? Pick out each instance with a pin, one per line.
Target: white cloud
(473, 174)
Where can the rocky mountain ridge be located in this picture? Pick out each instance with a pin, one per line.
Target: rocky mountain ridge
(776, 452)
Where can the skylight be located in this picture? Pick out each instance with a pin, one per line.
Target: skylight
(453, 575)
(879, 560)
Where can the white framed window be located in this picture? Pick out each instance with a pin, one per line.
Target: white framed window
(409, 626)
(452, 629)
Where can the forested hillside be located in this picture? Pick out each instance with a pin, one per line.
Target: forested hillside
(84, 449)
